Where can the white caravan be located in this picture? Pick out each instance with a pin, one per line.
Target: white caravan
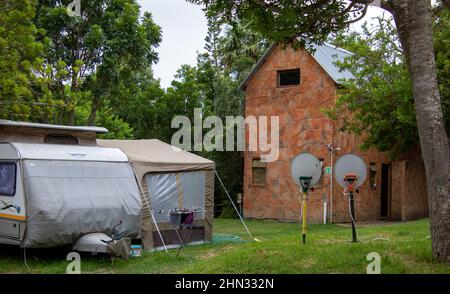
(57, 185)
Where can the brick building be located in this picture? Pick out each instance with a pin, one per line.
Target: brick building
(295, 86)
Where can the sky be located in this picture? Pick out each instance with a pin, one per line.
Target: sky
(184, 29)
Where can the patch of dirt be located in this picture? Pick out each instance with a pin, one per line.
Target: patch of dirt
(214, 252)
(370, 224)
(309, 262)
(263, 252)
(330, 241)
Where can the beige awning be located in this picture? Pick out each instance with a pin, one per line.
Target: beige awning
(156, 156)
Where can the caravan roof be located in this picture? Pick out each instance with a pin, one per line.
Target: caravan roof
(10, 123)
(68, 152)
(26, 132)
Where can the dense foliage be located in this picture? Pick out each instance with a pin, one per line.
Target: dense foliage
(96, 69)
(287, 21)
(90, 56)
(378, 101)
(20, 54)
(66, 70)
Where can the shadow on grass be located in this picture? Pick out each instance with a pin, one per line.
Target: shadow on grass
(13, 258)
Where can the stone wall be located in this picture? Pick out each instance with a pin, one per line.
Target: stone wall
(415, 200)
(409, 188)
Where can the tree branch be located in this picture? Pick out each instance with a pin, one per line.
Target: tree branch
(264, 4)
(363, 12)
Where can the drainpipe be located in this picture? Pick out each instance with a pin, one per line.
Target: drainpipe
(331, 184)
(331, 148)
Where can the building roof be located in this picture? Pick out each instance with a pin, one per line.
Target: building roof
(10, 123)
(326, 55)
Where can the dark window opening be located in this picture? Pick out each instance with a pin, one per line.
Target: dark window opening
(258, 172)
(385, 190)
(7, 179)
(289, 77)
(60, 139)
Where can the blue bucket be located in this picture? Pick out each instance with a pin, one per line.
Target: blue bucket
(135, 251)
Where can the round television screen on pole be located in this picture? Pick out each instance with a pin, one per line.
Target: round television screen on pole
(350, 164)
(306, 165)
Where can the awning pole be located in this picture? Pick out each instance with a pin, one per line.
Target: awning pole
(157, 229)
(235, 208)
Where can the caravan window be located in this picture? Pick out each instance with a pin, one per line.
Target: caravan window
(7, 178)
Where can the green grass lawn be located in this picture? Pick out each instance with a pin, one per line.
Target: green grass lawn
(327, 251)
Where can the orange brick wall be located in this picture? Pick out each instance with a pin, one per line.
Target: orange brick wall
(409, 190)
(303, 127)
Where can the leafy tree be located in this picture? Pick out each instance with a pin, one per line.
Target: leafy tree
(19, 56)
(379, 98)
(281, 20)
(296, 22)
(228, 101)
(185, 94)
(89, 57)
(200, 86)
(140, 111)
(117, 127)
(150, 109)
(231, 51)
(212, 40)
(60, 69)
(240, 48)
(107, 118)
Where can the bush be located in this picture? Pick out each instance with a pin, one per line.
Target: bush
(228, 212)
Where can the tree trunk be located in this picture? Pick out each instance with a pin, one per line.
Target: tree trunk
(71, 117)
(96, 103)
(415, 27)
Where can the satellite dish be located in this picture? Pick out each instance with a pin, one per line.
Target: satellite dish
(305, 171)
(350, 167)
(306, 165)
